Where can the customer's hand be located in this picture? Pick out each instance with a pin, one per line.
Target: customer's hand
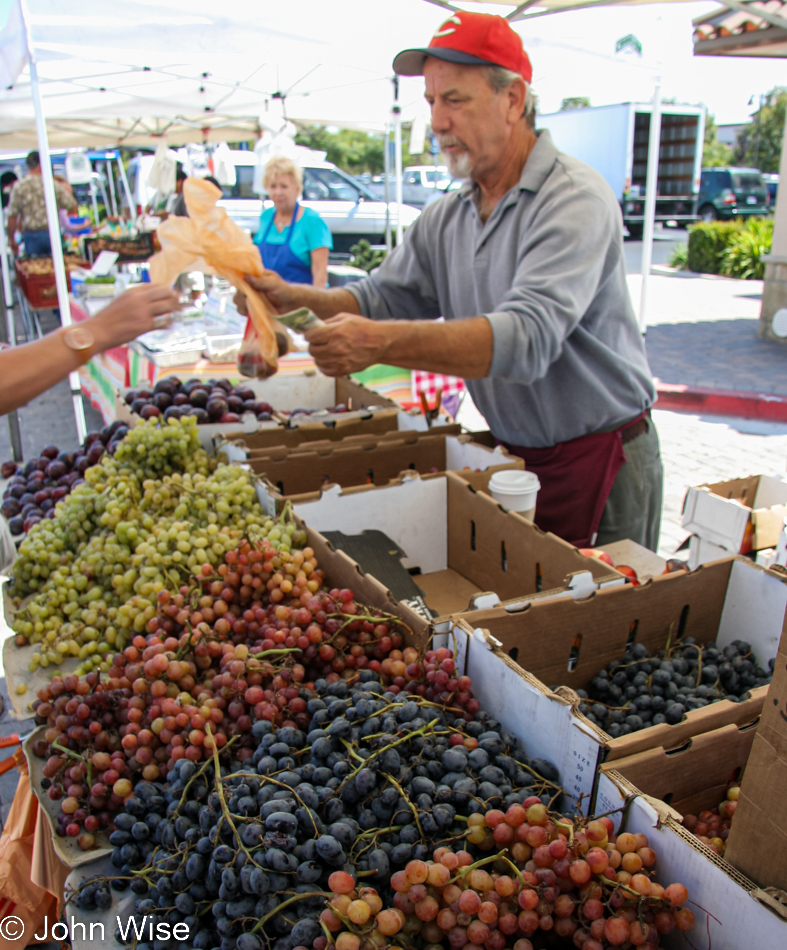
(133, 313)
(281, 294)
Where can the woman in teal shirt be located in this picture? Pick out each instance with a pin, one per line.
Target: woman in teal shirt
(293, 241)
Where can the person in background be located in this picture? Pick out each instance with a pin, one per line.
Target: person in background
(29, 370)
(27, 210)
(161, 205)
(179, 208)
(293, 241)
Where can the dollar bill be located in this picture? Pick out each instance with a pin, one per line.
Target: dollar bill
(301, 320)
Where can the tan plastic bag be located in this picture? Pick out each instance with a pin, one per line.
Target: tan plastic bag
(32, 877)
(209, 241)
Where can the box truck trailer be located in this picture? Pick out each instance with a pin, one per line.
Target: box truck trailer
(614, 140)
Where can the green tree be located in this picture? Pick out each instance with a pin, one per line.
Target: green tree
(351, 150)
(714, 153)
(759, 143)
(574, 102)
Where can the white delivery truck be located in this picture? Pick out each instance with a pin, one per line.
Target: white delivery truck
(614, 140)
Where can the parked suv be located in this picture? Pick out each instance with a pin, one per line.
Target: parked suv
(727, 193)
(350, 210)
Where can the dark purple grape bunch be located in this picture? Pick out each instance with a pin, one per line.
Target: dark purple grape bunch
(37, 486)
(209, 401)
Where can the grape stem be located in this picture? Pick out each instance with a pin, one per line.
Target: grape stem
(197, 774)
(410, 805)
(515, 869)
(471, 867)
(290, 900)
(268, 778)
(220, 789)
(72, 755)
(328, 934)
(406, 738)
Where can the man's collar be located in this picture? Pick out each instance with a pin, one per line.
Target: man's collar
(536, 170)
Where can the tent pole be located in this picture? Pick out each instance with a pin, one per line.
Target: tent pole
(52, 218)
(397, 114)
(387, 179)
(8, 335)
(132, 211)
(93, 190)
(651, 184)
(111, 180)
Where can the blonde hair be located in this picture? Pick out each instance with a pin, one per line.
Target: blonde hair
(280, 165)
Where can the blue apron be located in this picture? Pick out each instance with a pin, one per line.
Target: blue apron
(280, 258)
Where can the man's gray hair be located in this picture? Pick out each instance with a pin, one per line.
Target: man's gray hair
(500, 78)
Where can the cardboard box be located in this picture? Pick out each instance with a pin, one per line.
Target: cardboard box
(286, 393)
(740, 515)
(543, 721)
(301, 472)
(702, 551)
(692, 778)
(566, 642)
(458, 542)
(757, 843)
(724, 903)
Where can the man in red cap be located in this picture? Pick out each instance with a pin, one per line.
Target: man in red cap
(525, 264)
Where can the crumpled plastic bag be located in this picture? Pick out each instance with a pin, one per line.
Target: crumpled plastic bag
(32, 877)
(7, 547)
(209, 241)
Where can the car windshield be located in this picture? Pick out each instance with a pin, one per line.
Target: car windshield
(437, 176)
(328, 184)
(244, 180)
(747, 182)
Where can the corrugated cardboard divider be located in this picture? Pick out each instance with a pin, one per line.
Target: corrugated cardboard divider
(731, 599)
(728, 917)
(260, 445)
(543, 721)
(694, 777)
(462, 537)
(757, 843)
(375, 460)
(287, 393)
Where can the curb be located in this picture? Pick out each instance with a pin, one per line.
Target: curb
(768, 407)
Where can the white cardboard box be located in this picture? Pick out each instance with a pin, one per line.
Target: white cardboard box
(704, 552)
(739, 515)
(728, 916)
(459, 541)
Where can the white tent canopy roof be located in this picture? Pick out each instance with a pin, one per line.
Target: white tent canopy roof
(132, 71)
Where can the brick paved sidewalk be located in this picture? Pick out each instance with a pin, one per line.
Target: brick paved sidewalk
(702, 332)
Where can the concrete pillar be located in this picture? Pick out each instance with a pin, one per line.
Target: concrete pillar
(774, 293)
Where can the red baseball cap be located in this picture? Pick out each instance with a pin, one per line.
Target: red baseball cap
(470, 39)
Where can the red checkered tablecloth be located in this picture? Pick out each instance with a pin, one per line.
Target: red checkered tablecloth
(429, 383)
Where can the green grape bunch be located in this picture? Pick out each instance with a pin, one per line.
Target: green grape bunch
(145, 520)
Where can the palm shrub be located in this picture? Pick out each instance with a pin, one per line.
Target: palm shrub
(743, 256)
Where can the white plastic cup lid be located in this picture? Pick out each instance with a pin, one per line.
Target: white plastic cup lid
(514, 482)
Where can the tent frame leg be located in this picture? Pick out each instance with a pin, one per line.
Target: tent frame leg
(52, 215)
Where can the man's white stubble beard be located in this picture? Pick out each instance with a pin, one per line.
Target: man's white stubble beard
(458, 165)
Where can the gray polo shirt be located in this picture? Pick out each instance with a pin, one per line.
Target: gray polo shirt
(547, 271)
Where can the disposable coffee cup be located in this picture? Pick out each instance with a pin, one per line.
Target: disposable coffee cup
(516, 490)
